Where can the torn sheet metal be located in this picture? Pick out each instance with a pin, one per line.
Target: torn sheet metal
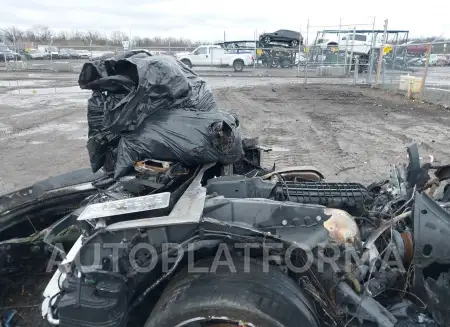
(126, 206)
(188, 209)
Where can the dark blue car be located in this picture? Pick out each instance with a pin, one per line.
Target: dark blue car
(282, 36)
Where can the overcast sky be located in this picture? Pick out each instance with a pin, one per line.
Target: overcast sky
(208, 19)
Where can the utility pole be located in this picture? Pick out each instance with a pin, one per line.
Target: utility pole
(130, 46)
(425, 71)
(371, 54)
(351, 53)
(380, 56)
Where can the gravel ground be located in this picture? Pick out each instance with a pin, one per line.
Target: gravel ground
(350, 134)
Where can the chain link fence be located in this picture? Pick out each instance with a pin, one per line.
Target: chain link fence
(416, 69)
(356, 54)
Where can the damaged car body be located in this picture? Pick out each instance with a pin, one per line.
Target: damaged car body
(293, 248)
(198, 220)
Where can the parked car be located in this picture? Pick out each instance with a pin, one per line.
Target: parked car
(64, 54)
(71, 52)
(52, 52)
(36, 54)
(24, 54)
(283, 36)
(416, 48)
(442, 60)
(325, 43)
(433, 59)
(99, 54)
(157, 53)
(9, 55)
(359, 43)
(6, 56)
(84, 54)
(415, 61)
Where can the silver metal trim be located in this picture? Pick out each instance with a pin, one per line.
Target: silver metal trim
(126, 206)
(188, 209)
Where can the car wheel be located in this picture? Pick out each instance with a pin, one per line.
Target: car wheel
(243, 294)
(285, 63)
(238, 65)
(294, 43)
(267, 39)
(187, 62)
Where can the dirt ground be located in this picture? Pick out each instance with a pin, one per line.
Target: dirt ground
(349, 134)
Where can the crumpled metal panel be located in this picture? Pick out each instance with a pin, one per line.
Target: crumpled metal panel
(431, 232)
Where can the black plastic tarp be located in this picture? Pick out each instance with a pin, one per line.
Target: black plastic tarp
(154, 107)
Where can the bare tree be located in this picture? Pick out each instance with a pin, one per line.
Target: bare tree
(137, 41)
(77, 35)
(13, 34)
(29, 35)
(117, 37)
(63, 36)
(42, 33)
(93, 36)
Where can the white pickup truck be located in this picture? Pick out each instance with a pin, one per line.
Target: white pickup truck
(214, 55)
(359, 43)
(53, 52)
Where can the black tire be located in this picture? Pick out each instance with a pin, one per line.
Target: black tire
(238, 65)
(294, 43)
(274, 63)
(259, 298)
(266, 39)
(285, 63)
(187, 62)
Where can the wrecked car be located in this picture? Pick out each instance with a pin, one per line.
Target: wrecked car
(200, 234)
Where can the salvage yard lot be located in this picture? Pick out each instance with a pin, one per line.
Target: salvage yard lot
(349, 134)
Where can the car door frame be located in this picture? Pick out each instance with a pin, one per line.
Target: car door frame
(285, 36)
(216, 56)
(292, 35)
(202, 59)
(360, 46)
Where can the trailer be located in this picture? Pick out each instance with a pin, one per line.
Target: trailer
(270, 55)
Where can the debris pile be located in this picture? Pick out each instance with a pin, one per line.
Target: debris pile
(154, 107)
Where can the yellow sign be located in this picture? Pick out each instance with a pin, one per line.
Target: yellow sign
(306, 50)
(259, 52)
(387, 49)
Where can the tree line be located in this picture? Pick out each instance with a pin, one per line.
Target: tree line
(44, 35)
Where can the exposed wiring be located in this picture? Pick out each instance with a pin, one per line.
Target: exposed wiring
(407, 202)
(392, 221)
(283, 182)
(367, 284)
(409, 274)
(59, 280)
(158, 281)
(351, 319)
(404, 292)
